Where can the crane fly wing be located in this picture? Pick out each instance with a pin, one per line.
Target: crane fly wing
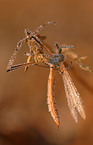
(50, 96)
(73, 97)
(70, 101)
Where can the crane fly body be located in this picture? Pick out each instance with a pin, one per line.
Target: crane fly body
(40, 55)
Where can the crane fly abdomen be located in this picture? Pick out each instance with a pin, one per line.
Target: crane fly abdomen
(50, 96)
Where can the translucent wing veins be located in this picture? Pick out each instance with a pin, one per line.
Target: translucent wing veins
(73, 97)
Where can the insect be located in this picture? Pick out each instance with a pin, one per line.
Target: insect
(40, 55)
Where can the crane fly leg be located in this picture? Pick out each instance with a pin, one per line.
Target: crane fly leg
(15, 67)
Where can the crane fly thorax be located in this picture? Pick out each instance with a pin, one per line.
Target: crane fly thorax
(56, 59)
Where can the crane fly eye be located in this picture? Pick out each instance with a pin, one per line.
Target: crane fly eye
(60, 50)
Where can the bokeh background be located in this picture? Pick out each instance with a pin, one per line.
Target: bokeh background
(24, 116)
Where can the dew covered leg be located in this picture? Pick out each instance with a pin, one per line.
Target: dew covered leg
(78, 59)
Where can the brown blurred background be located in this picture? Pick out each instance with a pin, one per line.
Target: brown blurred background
(24, 116)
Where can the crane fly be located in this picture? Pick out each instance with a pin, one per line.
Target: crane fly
(40, 55)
